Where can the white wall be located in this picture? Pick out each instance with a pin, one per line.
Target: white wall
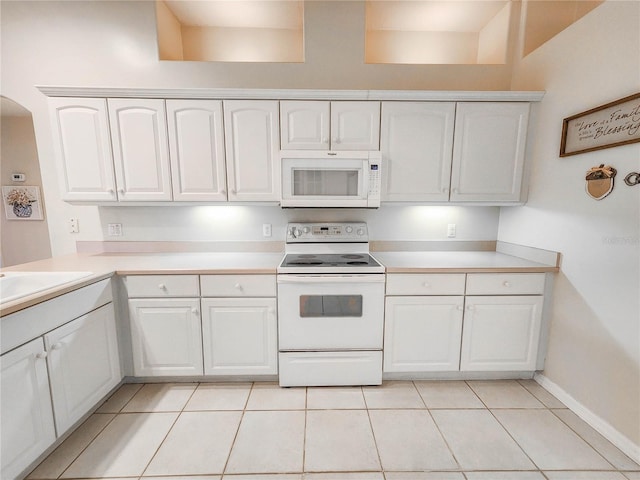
(594, 349)
(21, 241)
(106, 43)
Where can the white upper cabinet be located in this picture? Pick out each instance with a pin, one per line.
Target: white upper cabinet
(324, 125)
(252, 150)
(140, 149)
(304, 125)
(355, 125)
(82, 144)
(196, 145)
(489, 151)
(416, 142)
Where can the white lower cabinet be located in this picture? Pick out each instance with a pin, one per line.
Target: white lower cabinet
(166, 336)
(240, 336)
(61, 358)
(25, 408)
(482, 322)
(84, 364)
(501, 333)
(422, 334)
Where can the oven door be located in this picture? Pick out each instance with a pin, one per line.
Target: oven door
(330, 312)
(326, 182)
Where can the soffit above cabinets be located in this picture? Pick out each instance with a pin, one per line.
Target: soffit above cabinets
(432, 16)
(238, 14)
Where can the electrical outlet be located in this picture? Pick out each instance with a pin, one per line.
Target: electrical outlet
(266, 229)
(451, 230)
(73, 225)
(114, 229)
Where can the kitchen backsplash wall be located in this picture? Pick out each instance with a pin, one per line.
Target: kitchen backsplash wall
(244, 223)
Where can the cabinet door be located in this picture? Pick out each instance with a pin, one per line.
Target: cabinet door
(488, 152)
(27, 419)
(422, 334)
(140, 149)
(166, 336)
(196, 146)
(82, 145)
(84, 364)
(416, 142)
(355, 125)
(501, 333)
(304, 125)
(240, 336)
(251, 145)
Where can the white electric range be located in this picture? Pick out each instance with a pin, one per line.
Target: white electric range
(330, 307)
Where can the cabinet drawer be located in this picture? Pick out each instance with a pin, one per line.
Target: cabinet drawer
(162, 285)
(505, 284)
(238, 285)
(425, 284)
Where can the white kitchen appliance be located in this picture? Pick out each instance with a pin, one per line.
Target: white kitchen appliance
(330, 307)
(330, 179)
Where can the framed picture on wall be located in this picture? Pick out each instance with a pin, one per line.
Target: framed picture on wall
(22, 203)
(616, 123)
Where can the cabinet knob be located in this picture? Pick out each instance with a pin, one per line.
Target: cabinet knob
(426, 285)
(470, 307)
(233, 191)
(335, 141)
(223, 192)
(455, 190)
(56, 346)
(445, 190)
(237, 286)
(110, 190)
(41, 355)
(194, 311)
(121, 191)
(506, 284)
(162, 286)
(459, 307)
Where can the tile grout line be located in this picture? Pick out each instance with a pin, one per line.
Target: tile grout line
(235, 437)
(373, 433)
(115, 415)
(144, 470)
(439, 430)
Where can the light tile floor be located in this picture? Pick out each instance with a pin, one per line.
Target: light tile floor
(422, 430)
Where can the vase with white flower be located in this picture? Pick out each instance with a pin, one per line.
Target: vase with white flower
(21, 200)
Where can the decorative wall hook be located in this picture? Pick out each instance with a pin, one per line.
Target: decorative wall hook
(599, 181)
(632, 179)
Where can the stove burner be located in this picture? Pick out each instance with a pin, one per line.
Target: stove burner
(306, 262)
(306, 255)
(353, 256)
(357, 263)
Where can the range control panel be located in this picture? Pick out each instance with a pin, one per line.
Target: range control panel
(327, 232)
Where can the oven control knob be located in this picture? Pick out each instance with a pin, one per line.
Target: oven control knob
(360, 231)
(306, 230)
(348, 229)
(295, 232)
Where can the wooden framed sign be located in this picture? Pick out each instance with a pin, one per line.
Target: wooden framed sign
(610, 125)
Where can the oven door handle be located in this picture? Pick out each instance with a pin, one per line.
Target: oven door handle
(354, 278)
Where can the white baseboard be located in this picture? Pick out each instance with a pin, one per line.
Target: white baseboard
(631, 449)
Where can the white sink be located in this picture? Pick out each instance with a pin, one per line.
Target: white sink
(14, 285)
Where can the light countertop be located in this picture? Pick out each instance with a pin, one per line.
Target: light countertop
(458, 262)
(203, 263)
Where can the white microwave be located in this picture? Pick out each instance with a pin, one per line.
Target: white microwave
(330, 179)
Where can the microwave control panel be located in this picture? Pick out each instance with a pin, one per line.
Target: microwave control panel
(373, 197)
